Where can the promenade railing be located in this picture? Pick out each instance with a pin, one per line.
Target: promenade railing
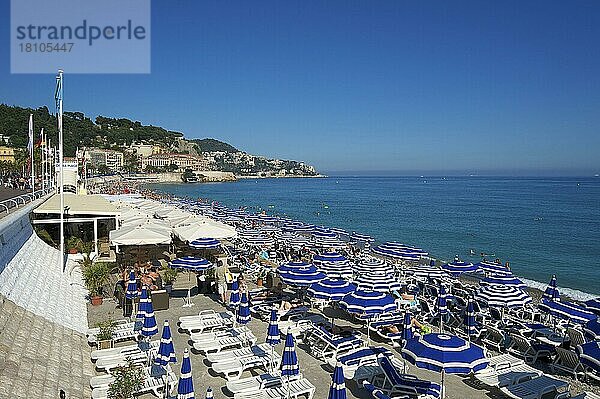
(7, 205)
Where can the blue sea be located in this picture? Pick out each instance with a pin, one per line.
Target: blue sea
(541, 225)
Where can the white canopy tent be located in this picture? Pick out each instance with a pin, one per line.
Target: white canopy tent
(147, 234)
(204, 229)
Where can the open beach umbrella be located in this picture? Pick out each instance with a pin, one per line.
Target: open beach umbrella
(143, 304)
(593, 305)
(337, 390)
(293, 265)
(336, 269)
(382, 282)
(302, 277)
(273, 337)
(132, 291)
(191, 263)
(441, 305)
(458, 267)
(503, 279)
(330, 289)
(445, 353)
(368, 304)
(426, 271)
(592, 328)
(551, 291)
(185, 387)
(361, 237)
(372, 265)
(470, 319)
(567, 311)
(234, 297)
(589, 354)
(205, 243)
(502, 296)
(393, 253)
(259, 241)
(149, 327)
(492, 268)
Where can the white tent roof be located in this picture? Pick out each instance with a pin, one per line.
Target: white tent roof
(204, 229)
(148, 234)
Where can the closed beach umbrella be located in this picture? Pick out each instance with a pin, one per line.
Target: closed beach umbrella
(149, 328)
(302, 277)
(330, 289)
(185, 387)
(205, 243)
(166, 350)
(446, 354)
(492, 268)
(209, 393)
(470, 319)
(592, 328)
(337, 390)
(407, 327)
(143, 304)
(503, 279)
(234, 297)
(243, 314)
(551, 291)
(458, 267)
(382, 282)
(441, 305)
(589, 355)
(132, 291)
(502, 296)
(273, 337)
(289, 360)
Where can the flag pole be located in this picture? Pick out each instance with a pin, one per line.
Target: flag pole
(31, 149)
(59, 105)
(43, 151)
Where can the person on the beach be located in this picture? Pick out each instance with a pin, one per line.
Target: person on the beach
(220, 279)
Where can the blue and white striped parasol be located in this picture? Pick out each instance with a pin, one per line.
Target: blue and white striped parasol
(592, 328)
(368, 303)
(426, 271)
(551, 291)
(382, 282)
(234, 297)
(593, 305)
(395, 253)
(446, 354)
(441, 305)
(336, 269)
(567, 311)
(361, 237)
(293, 265)
(407, 327)
(259, 241)
(243, 314)
(372, 265)
(149, 328)
(302, 277)
(273, 337)
(289, 360)
(492, 267)
(209, 393)
(589, 355)
(337, 390)
(143, 304)
(166, 350)
(132, 291)
(469, 321)
(502, 296)
(503, 279)
(205, 243)
(191, 263)
(185, 387)
(328, 257)
(458, 267)
(330, 289)
(323, 232)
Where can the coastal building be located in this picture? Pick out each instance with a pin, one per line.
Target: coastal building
(7, 154)
(99, 158)
(71, 176)
(182, 161)
(145, 150)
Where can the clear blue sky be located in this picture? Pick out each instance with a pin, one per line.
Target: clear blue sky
(479, 87)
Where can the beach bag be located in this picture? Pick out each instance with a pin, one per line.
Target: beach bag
(228, 277)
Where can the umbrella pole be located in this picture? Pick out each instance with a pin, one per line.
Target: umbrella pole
(443, 387)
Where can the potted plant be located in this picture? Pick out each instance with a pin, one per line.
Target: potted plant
(95, 275)
(105, 336)
(168, 276)
(74, 244)
(128, 380)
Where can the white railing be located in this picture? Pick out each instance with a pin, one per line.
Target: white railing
(13, 203)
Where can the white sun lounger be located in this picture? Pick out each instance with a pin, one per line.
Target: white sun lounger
(119, 324)
(204, 314)
(109, 363)
(214, 335)
(207, 324)
(141, 346)
(121, 333)
(225, 343)
(295, 388)
(154, 384)
(506, 375)
(226, 356)
(234, 369)
(541, 387)
(256, 383)
(208, 317)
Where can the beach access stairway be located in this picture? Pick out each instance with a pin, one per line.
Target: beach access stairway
(38, 358)
(31, 276)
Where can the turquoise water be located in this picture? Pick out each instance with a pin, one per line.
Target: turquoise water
(541, 225)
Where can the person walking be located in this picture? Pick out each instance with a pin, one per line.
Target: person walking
(221, 280)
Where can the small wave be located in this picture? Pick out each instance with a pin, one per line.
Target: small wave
(571, 293)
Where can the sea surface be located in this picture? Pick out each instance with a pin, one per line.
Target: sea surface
(543, 226)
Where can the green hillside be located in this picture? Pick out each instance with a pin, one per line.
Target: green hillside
(212, 145)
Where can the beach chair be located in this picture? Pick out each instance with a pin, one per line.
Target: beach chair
(141, 346)
(203, 315)
(294, 389)
(392, 383)
(576, 337)
(233, 369)
(494, 339)
(225, 343)
(506, 374)
(531, 352)
(122, 332)
(112, 362)
(154, 383)
(214, 335)
(226, 356)
(543, 387)
(257, 383)
(586, 395)
(377, 327)
(378, 393)
(567, 361)
(360, 358)
(323, 345)
(207, 323)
